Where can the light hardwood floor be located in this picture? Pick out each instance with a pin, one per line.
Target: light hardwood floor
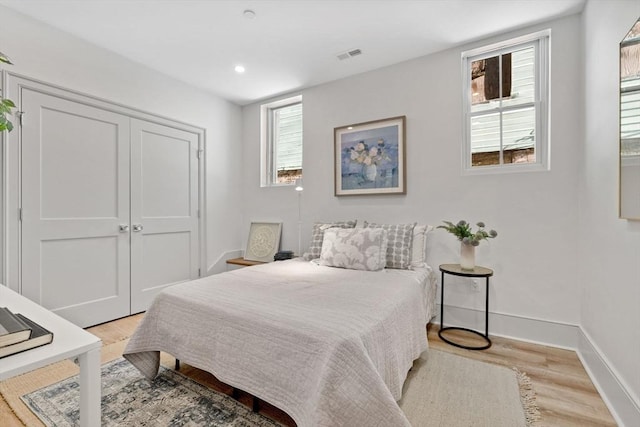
(565, 394)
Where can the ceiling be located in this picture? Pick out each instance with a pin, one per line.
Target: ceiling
(289, 44)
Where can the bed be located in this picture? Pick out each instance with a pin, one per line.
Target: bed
(329, 346)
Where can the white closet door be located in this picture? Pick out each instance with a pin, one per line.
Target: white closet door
(164, 209)
(75, 196)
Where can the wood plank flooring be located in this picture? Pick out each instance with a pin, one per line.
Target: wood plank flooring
(565, 394)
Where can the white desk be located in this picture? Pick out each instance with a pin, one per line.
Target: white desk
(69, 341)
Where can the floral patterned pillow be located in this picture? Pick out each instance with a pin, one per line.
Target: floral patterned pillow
(356, 248)
(317, 234)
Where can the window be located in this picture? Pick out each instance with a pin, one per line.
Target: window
(281, 141)
(506, 106)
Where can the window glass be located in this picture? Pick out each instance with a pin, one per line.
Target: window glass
(287, 123)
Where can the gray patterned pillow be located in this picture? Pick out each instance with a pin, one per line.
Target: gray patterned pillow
(355, 248)
(317, 234)
(400, 244)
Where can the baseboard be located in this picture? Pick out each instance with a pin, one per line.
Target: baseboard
(220, 264)
(519, 328)
(622, 404)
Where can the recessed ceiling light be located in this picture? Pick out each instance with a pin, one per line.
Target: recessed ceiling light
(249, 14)
(350, 127)
(239, 69)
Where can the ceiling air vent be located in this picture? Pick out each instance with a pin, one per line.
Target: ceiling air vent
(349, 54)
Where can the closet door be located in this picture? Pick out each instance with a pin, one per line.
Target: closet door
(75, 208)
(164, 209)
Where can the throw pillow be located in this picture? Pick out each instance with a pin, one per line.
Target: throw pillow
(419, 246)
(355, 249)
(317, 235)
(399, 248)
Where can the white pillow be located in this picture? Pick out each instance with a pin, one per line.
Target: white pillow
(355, 248)
(419, 247)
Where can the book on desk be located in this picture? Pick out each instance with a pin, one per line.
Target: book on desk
(12, 328)
(18, 333)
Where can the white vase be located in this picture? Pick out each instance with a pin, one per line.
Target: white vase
(369, 172)
(467, 256)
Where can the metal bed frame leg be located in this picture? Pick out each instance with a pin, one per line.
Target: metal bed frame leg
(177, 364)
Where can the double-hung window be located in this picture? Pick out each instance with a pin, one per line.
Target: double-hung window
(506, 111)
(281, 150)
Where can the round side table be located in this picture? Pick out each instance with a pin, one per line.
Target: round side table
(456, 270)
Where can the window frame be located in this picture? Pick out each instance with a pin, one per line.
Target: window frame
(541, 41)
(268, 170)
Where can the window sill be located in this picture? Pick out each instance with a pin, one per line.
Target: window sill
(505, 169)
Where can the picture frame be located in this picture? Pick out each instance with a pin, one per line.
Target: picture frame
(370, 157)
(264, 241)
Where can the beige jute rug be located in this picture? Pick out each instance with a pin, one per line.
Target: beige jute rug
(441, 390)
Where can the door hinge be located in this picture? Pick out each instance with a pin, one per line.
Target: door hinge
(20, 115)
(199, 275)
(19, 214)
(199, 153)
(198, 213)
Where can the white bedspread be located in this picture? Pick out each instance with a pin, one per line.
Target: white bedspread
(331, 347)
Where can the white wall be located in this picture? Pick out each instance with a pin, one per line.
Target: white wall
(534, 213)
(609, 247)
(42, 52)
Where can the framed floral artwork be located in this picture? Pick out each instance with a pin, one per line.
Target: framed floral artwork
(370, 158)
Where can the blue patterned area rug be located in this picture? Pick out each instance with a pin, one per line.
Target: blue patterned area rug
(128, 399)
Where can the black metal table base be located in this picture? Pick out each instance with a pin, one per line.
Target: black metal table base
(482, 347)
(477, 272)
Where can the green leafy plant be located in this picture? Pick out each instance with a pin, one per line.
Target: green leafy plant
(462, 230)
(6, 105)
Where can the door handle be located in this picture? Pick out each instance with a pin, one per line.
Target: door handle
(124, 228)
(137, 227)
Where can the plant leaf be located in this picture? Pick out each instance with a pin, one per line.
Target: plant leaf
(4, 58)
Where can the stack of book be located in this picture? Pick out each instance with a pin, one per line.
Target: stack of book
(19, 333)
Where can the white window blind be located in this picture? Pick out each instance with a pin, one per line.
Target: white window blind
(288, 137)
